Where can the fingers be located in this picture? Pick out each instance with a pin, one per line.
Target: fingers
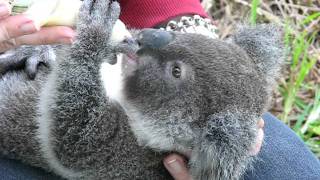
(15, 26)
(48, 35)
(20, 30)
(261, 123)
(259, 140)
(177, 167)
(5, 9)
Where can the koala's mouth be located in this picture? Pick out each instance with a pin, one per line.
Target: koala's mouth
(128, 64)
(130, 58)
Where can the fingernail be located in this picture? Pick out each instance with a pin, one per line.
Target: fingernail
(261, 123)
(175, 165)
(66, 40)
(68, 37)
(4, 10)
(28, 27)
(69, 34)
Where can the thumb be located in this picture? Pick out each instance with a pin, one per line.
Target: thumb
(177, 167)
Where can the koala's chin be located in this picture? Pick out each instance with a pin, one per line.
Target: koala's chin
(162, 137)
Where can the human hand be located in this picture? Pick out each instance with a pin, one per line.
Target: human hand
(177, 166)
(20, 30)
(260, 134)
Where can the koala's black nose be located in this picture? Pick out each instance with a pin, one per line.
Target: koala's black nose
(154, 38)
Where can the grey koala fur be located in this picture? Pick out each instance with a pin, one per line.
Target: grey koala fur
(18, 58)
(69, 121)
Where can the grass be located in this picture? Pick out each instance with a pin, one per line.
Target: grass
(297, 99)
(306, 123)
(253, 16)
(301, 64)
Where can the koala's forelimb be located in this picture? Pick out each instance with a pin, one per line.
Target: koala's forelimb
(79, 101)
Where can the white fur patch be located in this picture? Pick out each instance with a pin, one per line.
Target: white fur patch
(157, 137)
(52, 54)
(111, 76)
(119, 32)
(44, 131)
(147, 133)
(7, 54)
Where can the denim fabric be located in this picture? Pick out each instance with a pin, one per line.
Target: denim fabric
(283, 157)
(14, 170)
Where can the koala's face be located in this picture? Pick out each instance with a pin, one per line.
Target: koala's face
(167, 88)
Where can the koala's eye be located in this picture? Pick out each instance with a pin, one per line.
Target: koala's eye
(176, 71)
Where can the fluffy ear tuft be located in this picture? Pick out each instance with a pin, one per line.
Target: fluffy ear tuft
(264, 44)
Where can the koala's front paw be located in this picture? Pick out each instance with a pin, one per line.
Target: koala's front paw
(27, 57)
(97, 18)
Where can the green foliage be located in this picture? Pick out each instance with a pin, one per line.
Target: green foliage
(297, 101)
(301, 115)
(254, 7)
(306, 123)
(301, 64)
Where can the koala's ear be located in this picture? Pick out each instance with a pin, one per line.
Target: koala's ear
(264, 44)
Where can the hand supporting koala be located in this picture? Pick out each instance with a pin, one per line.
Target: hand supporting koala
(177, 165)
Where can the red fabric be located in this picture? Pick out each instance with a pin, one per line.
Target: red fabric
(149, 13)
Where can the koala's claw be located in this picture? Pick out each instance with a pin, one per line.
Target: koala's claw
(99, 13)
(95, 24)
(31, 66)
(27, 57)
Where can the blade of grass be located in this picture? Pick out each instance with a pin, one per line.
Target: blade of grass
(314, 145)
(287, 35)
(300, 104)
(314, 113)
(310, 18)
(301, 46)
(254, 7)
(301, 118)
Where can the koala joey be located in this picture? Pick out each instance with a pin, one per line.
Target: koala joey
(84, 118)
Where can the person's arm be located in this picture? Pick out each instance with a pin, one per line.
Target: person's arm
(20, 30)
